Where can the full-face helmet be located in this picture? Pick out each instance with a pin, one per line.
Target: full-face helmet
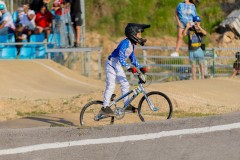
(131, 31)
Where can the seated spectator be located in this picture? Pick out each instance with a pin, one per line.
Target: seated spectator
(43, 21)
(6, 22)
(236, 65)
(19, 36)
(27, 20)
(2, 2)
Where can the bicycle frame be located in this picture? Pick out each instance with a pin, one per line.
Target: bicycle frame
(136, 91)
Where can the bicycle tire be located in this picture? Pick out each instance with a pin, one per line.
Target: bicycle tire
(88, 113)
(159, 100)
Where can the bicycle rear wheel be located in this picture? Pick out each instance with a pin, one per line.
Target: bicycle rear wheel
(160, 101)
(88, 113)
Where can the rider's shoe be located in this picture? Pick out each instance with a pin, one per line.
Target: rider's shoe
(106, 111)
(131, 108)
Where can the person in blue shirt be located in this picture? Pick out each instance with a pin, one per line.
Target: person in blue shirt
(185, 12)
(117, 61)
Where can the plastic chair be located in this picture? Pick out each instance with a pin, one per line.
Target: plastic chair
(40, 53)
(15, 17)
(26, 52)
(11, 38)
(37, 38)
(3, 39)
(9, 53)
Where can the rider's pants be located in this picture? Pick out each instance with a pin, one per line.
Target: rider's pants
(114, 71)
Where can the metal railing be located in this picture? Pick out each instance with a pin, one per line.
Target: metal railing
(162, 67)
(90, 57)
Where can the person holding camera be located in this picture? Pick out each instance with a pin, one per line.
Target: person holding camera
(195, 47)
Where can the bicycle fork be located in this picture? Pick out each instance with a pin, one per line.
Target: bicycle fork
(151, 106)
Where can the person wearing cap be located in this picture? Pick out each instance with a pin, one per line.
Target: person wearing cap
(185, 12)
(2, 2)
(6, 23)
(195, 36)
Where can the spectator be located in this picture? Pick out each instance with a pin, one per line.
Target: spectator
(76, 19)
(62, 23)
(19, 36)
(195, 35)
(27, 20)
(236, 65)
(185, 12)
(2, 2)
(6, 22)
(43, 21)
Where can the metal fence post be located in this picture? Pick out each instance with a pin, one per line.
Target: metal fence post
(213, 69)
(99, 65)
(144, 56)
(84, 63)
(89, 63)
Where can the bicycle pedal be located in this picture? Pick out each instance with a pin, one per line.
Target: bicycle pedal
(99, 117)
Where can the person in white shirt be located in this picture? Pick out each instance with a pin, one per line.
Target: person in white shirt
(6, 22)
(27, 20)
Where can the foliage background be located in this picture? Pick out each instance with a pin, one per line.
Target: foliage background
(109, 17)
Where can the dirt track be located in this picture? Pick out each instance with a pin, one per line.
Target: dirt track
(33, 87)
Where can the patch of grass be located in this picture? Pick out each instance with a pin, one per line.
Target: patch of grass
(182, 114)
(33, 113)
(90, 99)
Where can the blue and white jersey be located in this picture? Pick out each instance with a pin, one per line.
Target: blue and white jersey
(186, 12)
(124, 51)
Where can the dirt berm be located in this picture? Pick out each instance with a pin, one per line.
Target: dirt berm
(32, 87)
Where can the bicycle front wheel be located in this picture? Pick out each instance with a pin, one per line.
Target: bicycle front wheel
(163, 107)
(90, 111)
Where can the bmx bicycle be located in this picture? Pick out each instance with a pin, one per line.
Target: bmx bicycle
(152, 106)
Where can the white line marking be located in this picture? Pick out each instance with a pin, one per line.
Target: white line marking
(64, 76)
(120, 139)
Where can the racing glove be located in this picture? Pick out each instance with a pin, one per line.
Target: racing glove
(143, 70)
(133, 70)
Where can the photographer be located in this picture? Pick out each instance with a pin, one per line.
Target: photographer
(195, 35)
